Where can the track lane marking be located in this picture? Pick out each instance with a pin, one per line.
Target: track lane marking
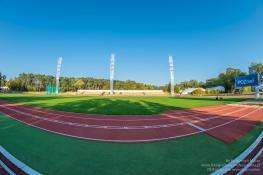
(167, 116)
(41, 110)
(250, 163)
(109, 140)
(105, 140)
(6, 168)
(239, 158)
(20, 165)
(234, 119)
(195, 126)
(115, 127)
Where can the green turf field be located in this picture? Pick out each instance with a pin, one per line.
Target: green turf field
(55, 154)
(113, 105)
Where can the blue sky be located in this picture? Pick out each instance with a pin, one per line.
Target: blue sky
(204, 37)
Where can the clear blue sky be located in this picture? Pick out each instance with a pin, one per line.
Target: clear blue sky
(204, 37)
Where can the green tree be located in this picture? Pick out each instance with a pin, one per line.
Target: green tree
(79, 84)
(198, 91)
(226, 79)
(2, 80)
(212, 82)
(256, 68)
(231, 74)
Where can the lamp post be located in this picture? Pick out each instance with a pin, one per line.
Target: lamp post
(112, 69)
(171, 65)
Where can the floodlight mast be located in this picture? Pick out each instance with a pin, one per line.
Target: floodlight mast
(112, 69)
(171, 64)
(58, 74)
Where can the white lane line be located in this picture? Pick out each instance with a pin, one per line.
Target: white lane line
(87, 118)
(18, 163)
(133, 120)
(217, 108)
(199, 109)
(105, 140)
(233, 120)
(10, 172)
(195, 126)
(200, 114)
(108, 140)
(251, 162)
(99, 119)
(226, 114)
(238, 159)
(114, 127)
(87, 125)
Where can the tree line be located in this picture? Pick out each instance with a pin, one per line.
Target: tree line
(39, 82)
(225, 79)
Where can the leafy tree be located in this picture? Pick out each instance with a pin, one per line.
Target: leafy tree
(229, 78)
(212, 82)
(226, 79)
(256, 68)
(2, 79)
(198, 91)
(79, 84)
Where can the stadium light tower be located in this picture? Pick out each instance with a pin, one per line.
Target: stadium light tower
(171, 64)
(58, 74)
(112, 69)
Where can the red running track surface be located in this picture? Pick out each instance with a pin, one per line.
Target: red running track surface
(224, 122)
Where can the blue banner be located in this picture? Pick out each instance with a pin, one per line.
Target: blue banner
(249, 80)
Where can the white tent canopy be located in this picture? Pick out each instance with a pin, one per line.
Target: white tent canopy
(217, 88)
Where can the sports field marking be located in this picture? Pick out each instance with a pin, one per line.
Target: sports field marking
(17, 163)
(106, 140)
(94, 126)
(195, 115)
(47, 111)
(210, 108)
(241, 157)
(184, 129)
(6, 168)
(215, 117)
(118, 127)
(110, 140)
(231, 121)
(195, 126)
(251, 162)
(168, 117)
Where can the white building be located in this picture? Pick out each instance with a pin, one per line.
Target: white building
(217, 88)
(121, 92)
(190, 90)
(4, 89)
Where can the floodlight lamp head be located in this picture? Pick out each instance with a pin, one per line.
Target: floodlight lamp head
(59, 60)
(170, 59)
(112, 57)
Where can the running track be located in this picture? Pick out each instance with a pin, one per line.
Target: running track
(224, 122)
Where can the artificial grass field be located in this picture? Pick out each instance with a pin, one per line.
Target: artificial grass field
(54, 154)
